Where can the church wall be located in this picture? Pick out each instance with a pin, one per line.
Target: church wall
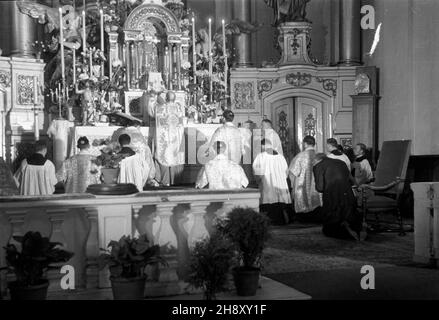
(407, 57)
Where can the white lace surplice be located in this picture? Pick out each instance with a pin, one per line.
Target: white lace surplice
(134, 170)
(78, 172)
(231, 136)
(273, 137)
(221, 173)
(36, 180)
(272, 169)
(305, 196)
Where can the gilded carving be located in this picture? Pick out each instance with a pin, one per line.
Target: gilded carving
(25, 90)
(5, 78)
(299, 79)
(244, 95)
(328, 85)
(310, 125)
(264, 86)
(139, 18)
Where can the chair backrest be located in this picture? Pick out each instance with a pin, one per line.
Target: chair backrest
(392, 163)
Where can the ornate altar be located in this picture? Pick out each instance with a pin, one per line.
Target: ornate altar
(153, 50)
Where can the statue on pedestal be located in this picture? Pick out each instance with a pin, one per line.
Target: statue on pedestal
(288, 10)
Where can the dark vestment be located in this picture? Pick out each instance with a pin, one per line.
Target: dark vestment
(339, 206)
(127, 152)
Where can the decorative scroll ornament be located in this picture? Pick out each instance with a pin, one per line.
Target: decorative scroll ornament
(25, 90)
(5, 78)
(244, 95)
(299, 79)
(328, 85)
(265, 86)
(140, 17)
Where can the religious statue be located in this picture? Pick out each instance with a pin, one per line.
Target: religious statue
(288, 10)
(87, 102)
(362, 84)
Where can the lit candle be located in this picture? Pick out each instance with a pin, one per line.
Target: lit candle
(102, 41)
(84, 34)
(36, 103)
(210, 60)
(226, 66)
(36, 95)
(194, 52)
(61, 36)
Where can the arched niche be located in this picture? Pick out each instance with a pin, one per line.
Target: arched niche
(140, 18)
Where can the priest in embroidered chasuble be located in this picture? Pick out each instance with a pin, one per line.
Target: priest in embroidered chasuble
(169, 140)
(304, 193)
(80, 170)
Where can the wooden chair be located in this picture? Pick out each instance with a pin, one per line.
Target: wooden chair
(383, 195)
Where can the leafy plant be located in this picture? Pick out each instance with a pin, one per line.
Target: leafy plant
(128, 257)
(248, 230)
(109, 157)
(36, 255)
(210, 263)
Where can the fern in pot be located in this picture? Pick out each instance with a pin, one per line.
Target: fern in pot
(30, 264)
(211, 260)
(248, 230)
(127, 260)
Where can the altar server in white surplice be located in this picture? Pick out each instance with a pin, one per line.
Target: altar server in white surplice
(133, 168)
(231, 135)
(271, 170)
(268, 133)
(222, 173)
(36, 175)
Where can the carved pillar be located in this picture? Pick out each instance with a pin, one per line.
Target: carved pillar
(199, 230)
(350, 33)
(18, 31)
(166, 236)
(242, 42)
(114, 50)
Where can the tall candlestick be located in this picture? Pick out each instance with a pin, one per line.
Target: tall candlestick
(102, 42)
(61, 36)
(74, 67)
(210, 61)
(91, 62)
(226, 64)
(84, 33)
(194, 52)
(59, 101)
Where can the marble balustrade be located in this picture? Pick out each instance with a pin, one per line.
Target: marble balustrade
(175, 219)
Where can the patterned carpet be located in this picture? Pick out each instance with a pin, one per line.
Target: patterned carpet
(300, 247)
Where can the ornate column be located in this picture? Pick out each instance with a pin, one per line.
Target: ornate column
(350, 33)
(18, 31)
(242, 42)
(199, 230)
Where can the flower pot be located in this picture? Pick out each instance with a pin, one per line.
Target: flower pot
(37, 292)
(128, 288)
(110, 175)
(246, 280)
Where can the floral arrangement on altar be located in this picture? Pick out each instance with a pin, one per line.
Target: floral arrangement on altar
(109, 157)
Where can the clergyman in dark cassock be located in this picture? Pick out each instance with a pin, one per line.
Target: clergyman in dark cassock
(340, 217)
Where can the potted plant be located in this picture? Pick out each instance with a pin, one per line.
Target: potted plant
(248, 230)
(29, 265)
(109, 161)
(211, 260)
(127, 260)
